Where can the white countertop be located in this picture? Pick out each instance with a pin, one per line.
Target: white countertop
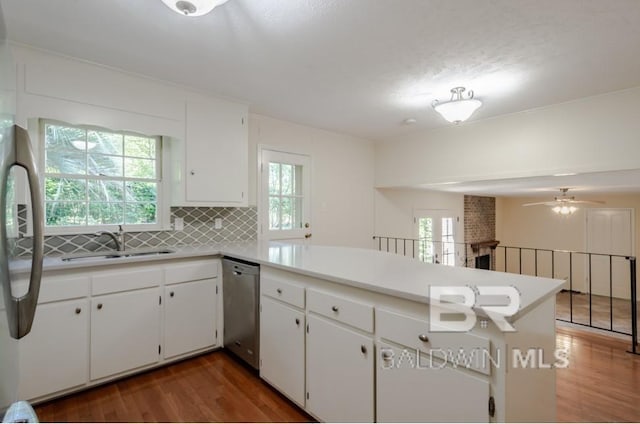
(368, 269)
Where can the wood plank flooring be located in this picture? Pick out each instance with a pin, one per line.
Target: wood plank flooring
(602, 383)
(210, 388)
(603, 309)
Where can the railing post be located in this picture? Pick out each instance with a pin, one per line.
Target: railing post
(634, 306)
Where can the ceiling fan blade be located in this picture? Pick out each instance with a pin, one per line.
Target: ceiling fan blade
(553, 203)
(588, 202)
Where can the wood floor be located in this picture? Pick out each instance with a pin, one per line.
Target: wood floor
(212, 387)
(602, 383)
(601, 311)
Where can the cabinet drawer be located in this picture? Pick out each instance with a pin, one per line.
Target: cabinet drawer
(57, 288)
(410, 332)
(54, 289)
(285, 291)
(191, 271)
(132, 279)
(351, 312)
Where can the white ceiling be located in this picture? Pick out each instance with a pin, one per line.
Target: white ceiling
(355, 66)
(579, 185)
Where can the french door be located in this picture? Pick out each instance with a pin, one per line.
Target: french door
(436, 231)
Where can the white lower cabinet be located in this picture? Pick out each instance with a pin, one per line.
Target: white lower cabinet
(190, 311)
(57, 349)
(282, 348)
(125, 331)
(340, 369)
(426, 390)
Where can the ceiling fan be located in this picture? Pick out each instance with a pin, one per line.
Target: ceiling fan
(564, 204)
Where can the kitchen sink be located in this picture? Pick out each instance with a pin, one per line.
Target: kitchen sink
(115, 254)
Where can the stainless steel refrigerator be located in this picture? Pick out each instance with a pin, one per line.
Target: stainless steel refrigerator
(17, 310)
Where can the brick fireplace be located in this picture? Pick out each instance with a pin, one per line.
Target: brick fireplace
(480, 229)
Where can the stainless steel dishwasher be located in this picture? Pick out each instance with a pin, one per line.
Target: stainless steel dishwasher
(241, 289)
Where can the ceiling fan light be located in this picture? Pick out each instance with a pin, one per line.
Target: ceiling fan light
(458, 109)
(193, 8)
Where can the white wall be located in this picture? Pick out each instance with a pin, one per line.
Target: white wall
(587, 135)
(394, 211)
(341, 180)
(539, 227)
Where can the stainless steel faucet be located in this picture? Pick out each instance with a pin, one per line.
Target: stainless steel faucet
(118, 238)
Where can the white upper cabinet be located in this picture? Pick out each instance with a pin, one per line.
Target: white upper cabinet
(211, 166)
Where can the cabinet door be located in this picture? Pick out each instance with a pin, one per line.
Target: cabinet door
(282, 348)
(216, 152)
(55, 355)
(426, 391)
(339, 373)
(189, 316)
(125, 331)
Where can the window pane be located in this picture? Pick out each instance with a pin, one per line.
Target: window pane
(65, 213)
(274, 213)
(65, 189)
(58, 137)
(140, 168)
(142, 147)
(140, 213)
(105, 213)
(105, 191)
(104, 142)
(286, 213)
(110, 166)
(142, 192)
(297, 180)
(287, 179)
(60, 161)
(274, 178)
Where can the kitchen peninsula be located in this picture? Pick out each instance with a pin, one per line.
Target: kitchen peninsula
(344, 332)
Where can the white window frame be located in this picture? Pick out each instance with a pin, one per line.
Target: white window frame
(162, 171)
(266, 154)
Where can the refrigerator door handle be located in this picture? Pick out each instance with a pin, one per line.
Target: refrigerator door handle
(24, 307)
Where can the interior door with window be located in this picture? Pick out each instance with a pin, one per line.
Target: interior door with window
(284, 211)
(435, 230)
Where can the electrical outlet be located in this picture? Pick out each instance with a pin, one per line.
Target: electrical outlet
(178, 224)
(217, 224)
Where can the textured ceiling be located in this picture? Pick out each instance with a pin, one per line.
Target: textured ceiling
(355, 66)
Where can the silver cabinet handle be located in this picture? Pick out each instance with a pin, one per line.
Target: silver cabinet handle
(363, 349)
(279, 291)
(99, 305)
(78, 310)
(334, 308)
(386, 354)
(171, 294)
(20, 154)
(423, 338)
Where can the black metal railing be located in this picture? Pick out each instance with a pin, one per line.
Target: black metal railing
(593, 280)
(425, 250)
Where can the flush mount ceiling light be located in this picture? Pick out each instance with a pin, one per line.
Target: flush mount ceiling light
(457, 109)
(193, 8)
(563, 204)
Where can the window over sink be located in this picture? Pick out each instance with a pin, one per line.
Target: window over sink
(95, 177)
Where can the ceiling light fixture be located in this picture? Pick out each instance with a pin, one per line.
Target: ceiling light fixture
(193, 8)
(457, 109)
(565, 204)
